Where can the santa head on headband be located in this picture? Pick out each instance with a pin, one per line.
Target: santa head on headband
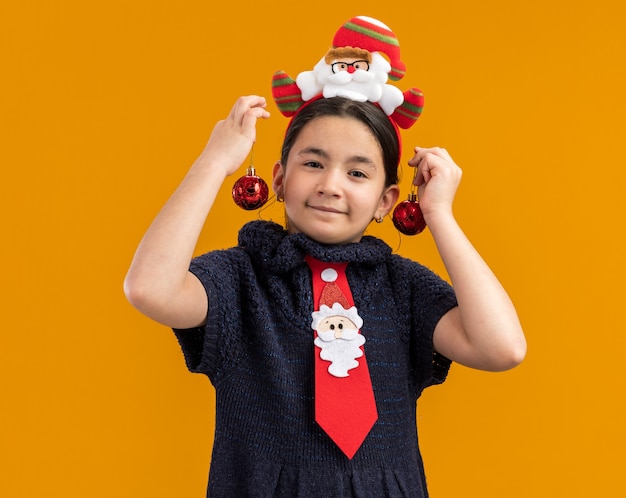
(364, 55)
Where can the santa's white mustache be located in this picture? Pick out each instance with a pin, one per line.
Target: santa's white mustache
(344, 77)
(346, 335)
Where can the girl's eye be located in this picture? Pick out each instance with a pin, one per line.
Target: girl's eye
(358, 174)
(313, 164)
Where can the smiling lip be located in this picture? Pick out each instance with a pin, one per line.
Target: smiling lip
(325, 209)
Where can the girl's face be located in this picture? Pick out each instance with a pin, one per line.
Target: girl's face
(334, 181)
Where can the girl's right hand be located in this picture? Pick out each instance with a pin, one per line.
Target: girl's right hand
(233, 137)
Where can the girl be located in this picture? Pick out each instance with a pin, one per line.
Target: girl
(243, 315)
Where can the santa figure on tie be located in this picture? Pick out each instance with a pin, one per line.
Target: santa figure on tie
(337, 325)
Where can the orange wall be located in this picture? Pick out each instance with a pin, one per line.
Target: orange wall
(103, 107)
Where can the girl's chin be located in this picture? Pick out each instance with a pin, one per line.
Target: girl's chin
(331, 238)
(326, 232)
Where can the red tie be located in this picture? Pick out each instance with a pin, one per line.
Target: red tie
(344, 400)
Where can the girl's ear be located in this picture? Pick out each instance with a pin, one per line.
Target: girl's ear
(388, 200)
(278, 177)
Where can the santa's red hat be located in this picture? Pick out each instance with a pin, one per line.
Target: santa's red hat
(333, 302)
(372, 35)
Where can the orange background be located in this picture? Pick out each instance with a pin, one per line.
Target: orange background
(104, 106)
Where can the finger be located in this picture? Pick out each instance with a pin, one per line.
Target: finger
(441, 153)
(437, 151)
(414, 161)
(422, 172)
(244, 105)
(421, 154)
(252, 115)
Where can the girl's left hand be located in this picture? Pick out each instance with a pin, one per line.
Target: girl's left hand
(437, 178)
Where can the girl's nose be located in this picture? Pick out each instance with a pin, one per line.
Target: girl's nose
(329, 184)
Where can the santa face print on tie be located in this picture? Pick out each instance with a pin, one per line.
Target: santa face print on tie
(338, 336)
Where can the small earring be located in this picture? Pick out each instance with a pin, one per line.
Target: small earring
(379, 219)
(407, 216)
(250, 191)
(280, 198)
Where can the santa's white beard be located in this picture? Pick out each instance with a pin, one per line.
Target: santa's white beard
(341, 352)
(360, 86)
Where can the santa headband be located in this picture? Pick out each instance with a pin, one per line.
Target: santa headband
(364, 55)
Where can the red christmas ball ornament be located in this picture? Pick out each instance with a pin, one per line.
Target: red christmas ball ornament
(408, 217)
(250, 191)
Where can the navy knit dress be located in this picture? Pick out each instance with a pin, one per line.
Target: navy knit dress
(257, 350)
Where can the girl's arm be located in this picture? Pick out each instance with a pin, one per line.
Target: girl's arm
(484, 331)
(158, 282)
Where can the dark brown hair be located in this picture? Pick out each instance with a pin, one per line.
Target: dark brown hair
(369, 114)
